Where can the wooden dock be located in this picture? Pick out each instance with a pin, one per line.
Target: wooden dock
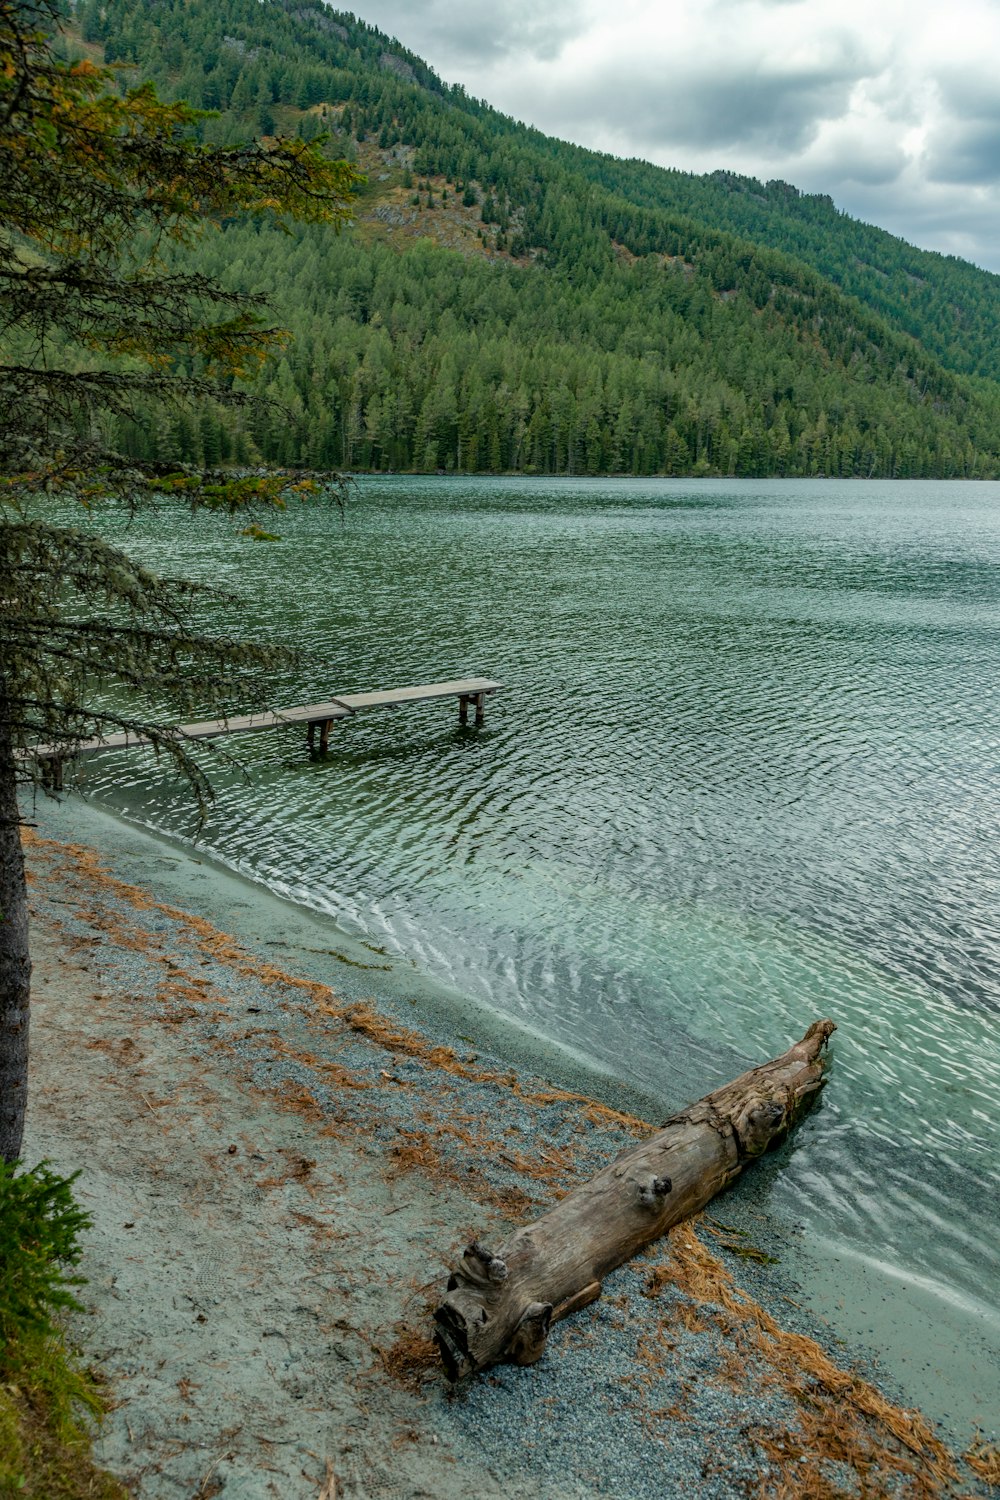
(319, 719)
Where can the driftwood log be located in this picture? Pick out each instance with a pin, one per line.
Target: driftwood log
(499, 1307)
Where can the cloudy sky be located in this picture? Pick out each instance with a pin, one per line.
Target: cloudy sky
(890, 106)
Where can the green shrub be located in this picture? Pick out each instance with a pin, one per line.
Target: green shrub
(40, 1226)
(47, 1398)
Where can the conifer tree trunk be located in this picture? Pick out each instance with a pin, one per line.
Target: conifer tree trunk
(15, 965)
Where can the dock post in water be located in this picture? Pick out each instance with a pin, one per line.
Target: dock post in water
(324, 726)
(464, 699)
(51, 772)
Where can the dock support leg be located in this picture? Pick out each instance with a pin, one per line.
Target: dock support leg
(463, 708)
(324, 736)
(480, 707)
(311, 738)
(51, 769)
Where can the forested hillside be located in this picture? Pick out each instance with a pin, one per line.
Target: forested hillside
(952, 307)
(505, 301)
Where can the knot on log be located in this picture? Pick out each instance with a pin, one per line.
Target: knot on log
(653, 1192)
(482, 1264)
(528, 1343)
(763, 1123)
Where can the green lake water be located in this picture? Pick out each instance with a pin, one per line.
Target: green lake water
(745, 773)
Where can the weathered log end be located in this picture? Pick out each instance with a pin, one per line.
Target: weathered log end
(501, 1306)
(478, 1279)
(451, 1334)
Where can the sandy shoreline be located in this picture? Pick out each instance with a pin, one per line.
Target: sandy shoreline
(279, 1175)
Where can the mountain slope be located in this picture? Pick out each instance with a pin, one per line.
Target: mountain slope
(510, 302)
(952, 307)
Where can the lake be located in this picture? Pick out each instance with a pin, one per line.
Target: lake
(745, 773)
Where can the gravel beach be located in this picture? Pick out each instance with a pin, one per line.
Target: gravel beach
(282, 1159)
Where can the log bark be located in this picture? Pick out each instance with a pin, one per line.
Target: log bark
(499, 1306)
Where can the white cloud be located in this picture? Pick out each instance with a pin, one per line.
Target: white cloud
(449, 34)
(890, 106)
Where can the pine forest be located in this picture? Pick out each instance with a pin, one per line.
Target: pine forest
(505, 302)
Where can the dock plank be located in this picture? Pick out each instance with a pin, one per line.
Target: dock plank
(395, 697)
(342, 707)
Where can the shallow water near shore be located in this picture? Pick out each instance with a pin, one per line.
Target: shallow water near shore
(744, 773)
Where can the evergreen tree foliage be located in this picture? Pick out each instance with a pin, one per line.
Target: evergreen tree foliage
(40, 1226)
(46, 1395)
(96, 183)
